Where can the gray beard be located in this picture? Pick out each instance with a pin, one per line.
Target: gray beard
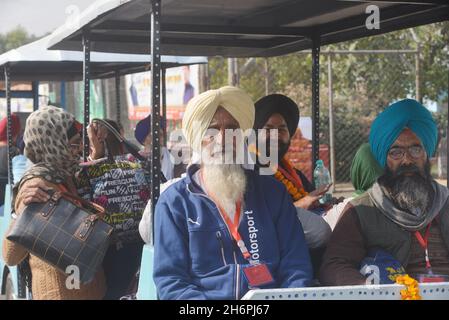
(410, 193)
(227, 182)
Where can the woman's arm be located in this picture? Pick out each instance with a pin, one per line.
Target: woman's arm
(32, 190)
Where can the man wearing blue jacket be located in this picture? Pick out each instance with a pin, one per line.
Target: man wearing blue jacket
(223, 230)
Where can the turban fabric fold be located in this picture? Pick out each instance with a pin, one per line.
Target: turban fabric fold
(201, 109)
(143, 128)
(364, 169)
(389, 124)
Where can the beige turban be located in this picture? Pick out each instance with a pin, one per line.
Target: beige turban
(201, 109)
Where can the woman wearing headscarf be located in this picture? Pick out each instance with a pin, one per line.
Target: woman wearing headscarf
(52, 143)
(364, 172)
(121, 261)
(102, 142)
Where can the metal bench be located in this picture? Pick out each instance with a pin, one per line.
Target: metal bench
(428, 291)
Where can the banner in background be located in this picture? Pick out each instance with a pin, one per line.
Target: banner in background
(17, 105)
(182, 83)
(97, 109)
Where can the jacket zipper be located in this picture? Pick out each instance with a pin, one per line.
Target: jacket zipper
(220, 239)
(237, 288)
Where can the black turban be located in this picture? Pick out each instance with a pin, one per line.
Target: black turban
(277, 103)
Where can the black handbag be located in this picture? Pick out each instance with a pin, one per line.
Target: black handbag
(64, 234)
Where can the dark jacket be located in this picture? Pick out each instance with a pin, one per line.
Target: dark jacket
(361, 228)
(196, 257)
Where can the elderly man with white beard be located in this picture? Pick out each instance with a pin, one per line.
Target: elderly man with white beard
(222, 229)
(403, 219)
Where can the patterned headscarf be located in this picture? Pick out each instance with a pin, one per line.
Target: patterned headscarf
(47, 146)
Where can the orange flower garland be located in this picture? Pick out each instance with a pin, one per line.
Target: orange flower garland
(291, 180)
(411, 291)
(287, 176)
(296, 193)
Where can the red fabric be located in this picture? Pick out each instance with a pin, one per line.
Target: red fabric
(79, 127)
(15, 128)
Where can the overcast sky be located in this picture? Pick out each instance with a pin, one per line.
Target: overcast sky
(38, 17)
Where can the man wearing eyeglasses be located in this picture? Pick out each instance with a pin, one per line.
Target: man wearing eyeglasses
(403, 220)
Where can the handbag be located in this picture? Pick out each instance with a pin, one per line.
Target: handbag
(121, 185)
(64, 234)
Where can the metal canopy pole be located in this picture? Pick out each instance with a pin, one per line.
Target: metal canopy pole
(117, 98)
(447, 134)
(155, 105)
(86, 81)
(331, 122)
(164, 104)
(315, 101)
(35, 89)
(418, 75)
(9, 123)
(63, 96)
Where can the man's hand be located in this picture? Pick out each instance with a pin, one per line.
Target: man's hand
(35, 192)
(310, 201)
(320, 191)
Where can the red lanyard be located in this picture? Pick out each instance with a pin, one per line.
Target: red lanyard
(233, 226)
(424, 243)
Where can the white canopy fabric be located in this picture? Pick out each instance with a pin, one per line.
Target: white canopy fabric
(35, 62)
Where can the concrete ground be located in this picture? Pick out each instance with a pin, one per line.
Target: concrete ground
(343, 190)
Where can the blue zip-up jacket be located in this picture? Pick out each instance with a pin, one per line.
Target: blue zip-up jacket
(196, 256)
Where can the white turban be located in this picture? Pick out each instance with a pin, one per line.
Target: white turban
(201, 109)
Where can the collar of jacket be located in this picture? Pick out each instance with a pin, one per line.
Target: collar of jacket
(192, 186)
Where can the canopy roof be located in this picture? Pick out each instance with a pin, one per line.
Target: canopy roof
(34, 62)
(237, 28)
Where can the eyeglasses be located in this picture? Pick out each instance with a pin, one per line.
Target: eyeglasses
(397, 153)
(75, 145)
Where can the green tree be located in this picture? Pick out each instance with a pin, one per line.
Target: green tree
(14, 39)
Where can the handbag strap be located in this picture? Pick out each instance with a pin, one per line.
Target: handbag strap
(87, 204)
(130, 146)
(63, 193)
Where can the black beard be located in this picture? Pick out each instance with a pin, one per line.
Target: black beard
(282, 149)
(413, 193)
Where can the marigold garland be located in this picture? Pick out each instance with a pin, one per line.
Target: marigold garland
(297, 192)
(293, 183)
(411, 291)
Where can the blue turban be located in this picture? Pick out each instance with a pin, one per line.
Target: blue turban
(143, 129)
(388, 125)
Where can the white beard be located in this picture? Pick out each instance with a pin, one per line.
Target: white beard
(227, 182)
